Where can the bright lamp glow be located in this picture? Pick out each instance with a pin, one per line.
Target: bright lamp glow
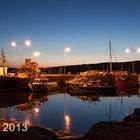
(127, 50)
(36, 54)
(13, 44)
(67, 118)
(28, 43)
(67, 49)
(138, 50)
(36, 110)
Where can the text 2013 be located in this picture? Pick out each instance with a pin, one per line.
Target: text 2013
(15, 127)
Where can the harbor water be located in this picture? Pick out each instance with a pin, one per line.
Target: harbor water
(62, 111)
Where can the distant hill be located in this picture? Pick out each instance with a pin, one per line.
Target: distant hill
(127, 66)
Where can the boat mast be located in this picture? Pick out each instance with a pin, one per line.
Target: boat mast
(110, 56)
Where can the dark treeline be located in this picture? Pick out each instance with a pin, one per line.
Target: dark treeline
(125, 66)
(74, 69)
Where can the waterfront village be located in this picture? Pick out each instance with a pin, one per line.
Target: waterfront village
(30, 78)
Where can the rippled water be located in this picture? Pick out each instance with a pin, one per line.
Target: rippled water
(64, 112)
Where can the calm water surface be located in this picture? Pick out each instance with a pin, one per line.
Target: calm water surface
(65, 112)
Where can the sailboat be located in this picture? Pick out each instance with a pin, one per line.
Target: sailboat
(122, 78)
(96, 82)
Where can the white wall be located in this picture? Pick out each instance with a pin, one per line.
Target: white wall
(1, 71)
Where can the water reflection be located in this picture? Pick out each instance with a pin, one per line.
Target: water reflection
(65, 112)
(34, 101)
(66, 115)
(7, 100)
(90, 99)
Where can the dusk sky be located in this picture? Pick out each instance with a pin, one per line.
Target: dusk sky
(86, 26)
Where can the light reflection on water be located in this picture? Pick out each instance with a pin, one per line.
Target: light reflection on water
(71, 113)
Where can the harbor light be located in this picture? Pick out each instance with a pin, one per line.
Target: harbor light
(67, 122)
(27, 43)
(36, 53)
(127, 50)
(13, 44)
(67, 49)
(133, 62)
(138, 50)
(67, 118)
(36, 110)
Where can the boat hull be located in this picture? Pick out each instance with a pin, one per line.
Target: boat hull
(50, 86)
(91, 90)
(38, 87)
(14, 84)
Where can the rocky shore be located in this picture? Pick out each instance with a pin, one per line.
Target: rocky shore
(35, 133)
(128, 129)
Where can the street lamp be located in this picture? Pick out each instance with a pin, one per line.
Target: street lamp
(138, 50)
(66, 50)
(26, 43)
(36, 54)
(133, 62)
(127, 50)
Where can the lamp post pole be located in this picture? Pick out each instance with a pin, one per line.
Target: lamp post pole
(66, 50)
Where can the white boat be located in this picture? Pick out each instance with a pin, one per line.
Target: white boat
(41, 84)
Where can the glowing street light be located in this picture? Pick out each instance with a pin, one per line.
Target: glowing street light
(13, 44)
(66, 50)
(127, 50)
(133, 62)
(27, 43)
(36, 53)
(36, 110)
(138, 50)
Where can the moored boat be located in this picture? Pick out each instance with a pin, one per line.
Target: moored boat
(42, 84)
(14, 84)
(18, 81)
(98, 88)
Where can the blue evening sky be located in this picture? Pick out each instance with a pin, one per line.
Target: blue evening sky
(86, 26)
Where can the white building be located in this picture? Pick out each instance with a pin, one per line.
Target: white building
(2, 71)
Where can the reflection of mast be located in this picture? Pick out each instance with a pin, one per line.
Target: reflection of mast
(30, 96)
(110, 108)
